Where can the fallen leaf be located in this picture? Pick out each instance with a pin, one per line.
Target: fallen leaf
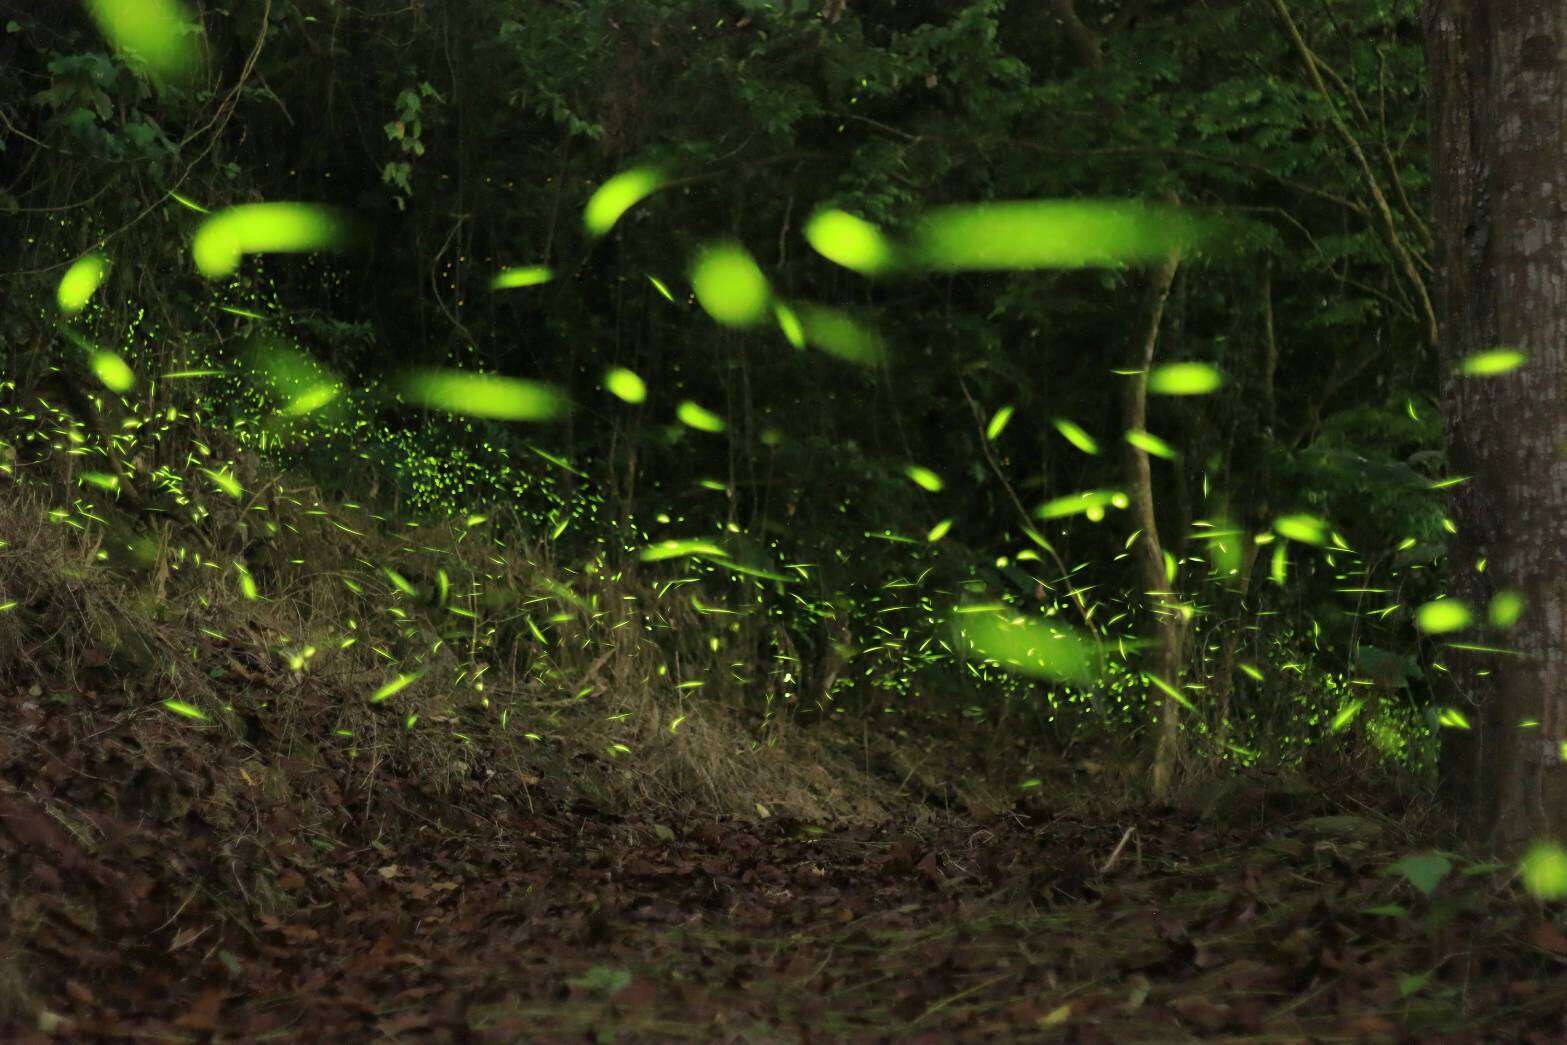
(1548, 937)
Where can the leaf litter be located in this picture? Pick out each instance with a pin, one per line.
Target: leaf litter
(161, 884)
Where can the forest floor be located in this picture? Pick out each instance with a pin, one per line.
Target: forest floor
(1249, 913)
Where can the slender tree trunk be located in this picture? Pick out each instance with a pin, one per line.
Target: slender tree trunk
(1498, 74)
(1150, 552)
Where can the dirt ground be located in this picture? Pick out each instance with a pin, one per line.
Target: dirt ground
(200, 902)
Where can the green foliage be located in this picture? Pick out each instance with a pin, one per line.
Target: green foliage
(605, 143)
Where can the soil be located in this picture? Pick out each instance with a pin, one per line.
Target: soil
(163, 890)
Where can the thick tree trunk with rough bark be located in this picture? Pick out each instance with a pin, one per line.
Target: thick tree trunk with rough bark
(1498, 75)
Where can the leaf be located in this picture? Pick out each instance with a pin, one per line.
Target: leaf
(601, 980)
(1547, 936)
(1424, 871)
(1409, 982)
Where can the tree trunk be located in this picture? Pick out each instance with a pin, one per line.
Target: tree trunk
(1150, 551)
(1498, 75)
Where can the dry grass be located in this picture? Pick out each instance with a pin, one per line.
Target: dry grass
(153, 606)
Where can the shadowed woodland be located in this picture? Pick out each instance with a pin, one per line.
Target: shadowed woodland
(782, 520)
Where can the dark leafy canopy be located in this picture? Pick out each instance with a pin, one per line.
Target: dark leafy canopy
(466, 138)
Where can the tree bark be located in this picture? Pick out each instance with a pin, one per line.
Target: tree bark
(1498, 77)
(1150, 552)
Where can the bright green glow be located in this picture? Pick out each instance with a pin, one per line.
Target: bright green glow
(676, 549)
(80, 282)
(400, 582)
(1184, 379)
(938, 531)
(103, 480)
(841, 335)
(659, 286)
(225, 482)
(525, 276)
(1168, 690)
(1081, 503)
(392, 687)
(186, 201)
(1506, 608)
(1278, 567)
(694, 416)
(1076, 436)
(729, 285)
(1307, 529)
(1497, 361)
(484, 395)
(179, 707)
(789, 323)
(247, 583)
(626, 385)
(1033, 234)
(618, 195)
(312, 398)
(924, 478)
(112, 371)
(998, 423)
(1442, 616)
(1544, 870)
(852, 242)
(1345, 716)
(245, 312)
(159, 32)
(254, 228)
(1030, 646)
(1452, 718)
(1151, 444)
